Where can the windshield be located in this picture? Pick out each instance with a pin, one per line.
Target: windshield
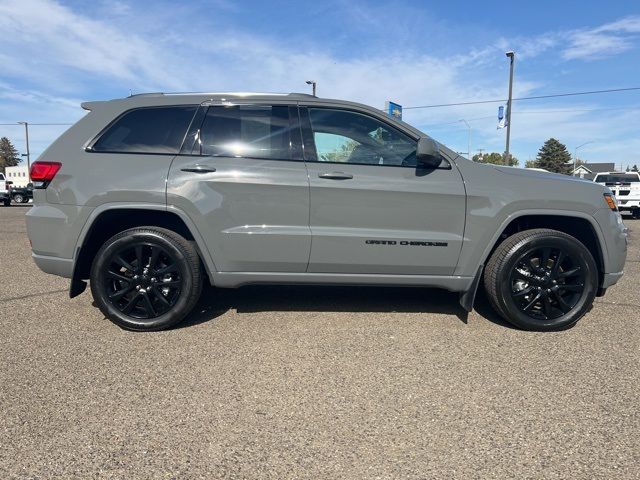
(617, 178)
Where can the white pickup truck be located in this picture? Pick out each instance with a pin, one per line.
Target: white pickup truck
(626, 188)
(5, 194)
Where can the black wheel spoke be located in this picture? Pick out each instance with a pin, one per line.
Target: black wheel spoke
(132, 303)
(556, 264)
(155, 252)
(564, 306)
(523, 292)
(569, 273)
(546, 253)
(532, 303)
(168, 269)
(170, 283)
(138, 250)
(121, 261)
(161, 297)
(149, 306)
(117, 276)
(121, 293)
(546, 303)
(572, 288)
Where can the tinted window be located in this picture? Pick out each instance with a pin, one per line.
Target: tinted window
(617, 178)
(246, 131)
(349, 137)
(147, 130)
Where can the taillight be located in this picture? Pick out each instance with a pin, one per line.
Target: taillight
(43, 172)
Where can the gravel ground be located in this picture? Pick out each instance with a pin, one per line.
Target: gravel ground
(312, 382)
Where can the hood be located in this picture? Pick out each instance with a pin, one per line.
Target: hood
(522, 172)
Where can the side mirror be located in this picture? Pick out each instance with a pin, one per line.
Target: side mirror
(428, 154)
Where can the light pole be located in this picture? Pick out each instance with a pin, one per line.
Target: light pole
(575, 155)
(26, 134)
(313, 86)
(468, 137)
(512, 56)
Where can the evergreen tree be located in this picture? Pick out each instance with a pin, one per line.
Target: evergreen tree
(494, 158)
(555, 157)
(8, 154)
(634, 168)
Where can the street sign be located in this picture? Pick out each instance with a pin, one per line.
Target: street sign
(394, 110)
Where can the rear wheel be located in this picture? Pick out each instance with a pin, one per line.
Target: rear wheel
(541, 280)
(146, 278)
(18, 198)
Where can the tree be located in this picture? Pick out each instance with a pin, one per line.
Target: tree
(494, 158)
(554, 157)
(530, 164)
(634, 168)
(8, 154)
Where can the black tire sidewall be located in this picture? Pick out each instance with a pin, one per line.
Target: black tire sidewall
(175, 314)
(568, 244)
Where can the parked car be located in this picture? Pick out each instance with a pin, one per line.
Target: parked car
(22, 194)
(150, 196)
(626, 188)
(5, 190)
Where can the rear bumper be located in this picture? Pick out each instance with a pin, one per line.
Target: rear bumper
(62, 267)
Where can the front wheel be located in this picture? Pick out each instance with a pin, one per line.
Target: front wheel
(146, 278)
(18, 198)
(541, 280)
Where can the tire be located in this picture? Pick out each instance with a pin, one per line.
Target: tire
(25, 200)
(18, 198)
(534, 294)
(146, 278)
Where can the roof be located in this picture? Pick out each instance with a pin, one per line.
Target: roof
(597, 167)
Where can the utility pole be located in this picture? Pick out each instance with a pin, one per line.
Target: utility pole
(512, 56)
(575, 155)
(313, 86)
(26, 134)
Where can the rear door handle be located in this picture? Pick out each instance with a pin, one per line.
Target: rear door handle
(335, 176)
(198, 169)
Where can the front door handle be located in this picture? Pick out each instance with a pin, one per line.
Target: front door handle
(336, 176)
(198, 169)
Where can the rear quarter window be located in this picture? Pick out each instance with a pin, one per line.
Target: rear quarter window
(147, 130)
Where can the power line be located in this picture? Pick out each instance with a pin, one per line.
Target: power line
(536, 97)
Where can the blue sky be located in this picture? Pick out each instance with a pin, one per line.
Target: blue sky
(55, 54)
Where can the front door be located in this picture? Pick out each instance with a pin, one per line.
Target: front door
(372, 210)
(242, 180)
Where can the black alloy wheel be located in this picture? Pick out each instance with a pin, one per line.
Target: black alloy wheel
(541, 279)
(142, 280)
(546, 282)
(146, 278)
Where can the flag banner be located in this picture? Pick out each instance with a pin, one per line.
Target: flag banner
(502, 119)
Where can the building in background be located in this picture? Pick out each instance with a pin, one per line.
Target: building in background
(588, 170)
(19, 175)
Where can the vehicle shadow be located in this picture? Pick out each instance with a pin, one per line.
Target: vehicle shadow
(302, 298)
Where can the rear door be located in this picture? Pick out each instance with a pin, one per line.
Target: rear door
(372, 210)
(241, 178)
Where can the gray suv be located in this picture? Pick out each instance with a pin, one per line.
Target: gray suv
(148, 196)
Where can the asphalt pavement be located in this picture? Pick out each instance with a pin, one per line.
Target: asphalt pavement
(312, 382)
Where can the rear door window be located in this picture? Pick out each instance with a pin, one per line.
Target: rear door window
(246, 131)
(614, 178)
(147, 130)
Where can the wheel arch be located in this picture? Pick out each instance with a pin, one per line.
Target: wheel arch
(580, 226)
(108, 220)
